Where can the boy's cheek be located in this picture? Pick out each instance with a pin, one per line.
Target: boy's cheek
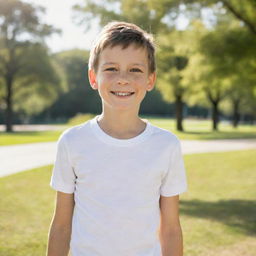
(111, 76)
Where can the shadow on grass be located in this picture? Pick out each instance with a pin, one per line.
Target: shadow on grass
(235, 213)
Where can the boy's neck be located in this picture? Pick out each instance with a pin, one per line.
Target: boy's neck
(121, 125)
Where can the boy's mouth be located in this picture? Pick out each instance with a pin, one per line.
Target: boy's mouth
(122, 94)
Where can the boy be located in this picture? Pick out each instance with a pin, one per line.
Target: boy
(118, 177)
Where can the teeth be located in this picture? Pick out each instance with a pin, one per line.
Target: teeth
(123, 93)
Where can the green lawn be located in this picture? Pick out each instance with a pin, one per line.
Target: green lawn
(194, 130)
(28, 137)
(202, 129)
(218, 213)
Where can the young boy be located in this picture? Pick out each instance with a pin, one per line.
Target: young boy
(118, 177)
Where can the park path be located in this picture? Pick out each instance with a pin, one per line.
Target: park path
(23, 157)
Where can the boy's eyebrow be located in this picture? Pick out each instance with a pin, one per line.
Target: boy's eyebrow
(114, 63)
(108, 63)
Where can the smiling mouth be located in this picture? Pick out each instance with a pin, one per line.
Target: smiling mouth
(122, 94)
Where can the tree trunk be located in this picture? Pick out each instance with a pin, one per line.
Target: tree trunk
(215, 115)
(179, 113)
(236, 114)
(215, 100)
(9, 110)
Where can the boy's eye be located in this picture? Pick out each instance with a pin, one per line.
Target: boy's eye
(136, 70)
(110, 69)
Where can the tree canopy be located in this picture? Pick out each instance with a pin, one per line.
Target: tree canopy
(25, 66)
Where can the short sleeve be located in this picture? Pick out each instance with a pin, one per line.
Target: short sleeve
(174, 181)
(63, 176)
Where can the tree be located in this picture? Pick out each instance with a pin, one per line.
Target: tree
(74, 66)
(37, 84)
(125, 10)
(244, 11)
(230, 49)
(21, 47)
(77, 95)
(173, 58)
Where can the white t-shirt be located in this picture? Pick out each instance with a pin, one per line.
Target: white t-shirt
(117, 184)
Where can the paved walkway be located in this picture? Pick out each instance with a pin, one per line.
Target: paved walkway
(35, 127)
(19, 158)
(22, 157)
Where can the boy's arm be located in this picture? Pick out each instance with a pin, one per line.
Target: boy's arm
(170, 233)
(60, 231)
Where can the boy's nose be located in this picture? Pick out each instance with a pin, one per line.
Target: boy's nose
(123, 79)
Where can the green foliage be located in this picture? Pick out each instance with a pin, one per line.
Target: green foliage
(154, 104)
(172, 58)
(78, 95)
(74, 66)
(37, 83)
(24, 59)
(125, 10)
(17, 18)
(230, 52)
(243, 11)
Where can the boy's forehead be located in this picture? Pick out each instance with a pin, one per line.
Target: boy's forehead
(132, 53)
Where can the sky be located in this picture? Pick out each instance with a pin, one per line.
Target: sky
(59, 14)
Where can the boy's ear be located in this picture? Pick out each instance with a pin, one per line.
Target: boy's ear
(93, 79)
(151, 81)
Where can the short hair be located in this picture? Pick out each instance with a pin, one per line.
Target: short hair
(124, 34)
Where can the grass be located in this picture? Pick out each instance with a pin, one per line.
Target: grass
(218, 213)
(28, 137)
(202, 129)
(194, 130)
(25, 214)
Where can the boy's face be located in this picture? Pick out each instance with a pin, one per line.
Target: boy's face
(122, 78)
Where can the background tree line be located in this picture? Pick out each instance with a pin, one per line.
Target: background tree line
(208, 64)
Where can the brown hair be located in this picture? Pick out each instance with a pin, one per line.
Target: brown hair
(124, 34)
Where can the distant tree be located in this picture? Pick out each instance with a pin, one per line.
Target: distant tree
(171, 66)
(230, 49)
(23, 56)
(137, 11)
(77, 96)
(243, 11)
(74, 66)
